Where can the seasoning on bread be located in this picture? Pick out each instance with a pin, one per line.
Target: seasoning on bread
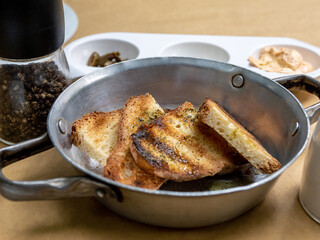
(177, 146)
(243, 141)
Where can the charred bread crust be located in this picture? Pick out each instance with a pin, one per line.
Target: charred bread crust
(123, 169)
(151, 164)
(174, 147)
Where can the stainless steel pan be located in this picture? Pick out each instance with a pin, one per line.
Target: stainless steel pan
(263, 106)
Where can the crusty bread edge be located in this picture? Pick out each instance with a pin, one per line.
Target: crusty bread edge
(77, 139)
(259, 158)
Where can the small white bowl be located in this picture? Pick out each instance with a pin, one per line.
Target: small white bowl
(196, 50)
(308, 55)
(79, 51)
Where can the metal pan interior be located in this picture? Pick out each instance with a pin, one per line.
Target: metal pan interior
(261, 105)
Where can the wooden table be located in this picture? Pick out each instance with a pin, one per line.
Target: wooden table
(279, 216)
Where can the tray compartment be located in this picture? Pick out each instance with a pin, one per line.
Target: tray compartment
(196, 50)
(80, 53)
(307, 54)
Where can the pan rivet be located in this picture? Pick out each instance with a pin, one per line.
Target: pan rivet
(100, 193)
(62, 126)
(237, 81)
(295, 130)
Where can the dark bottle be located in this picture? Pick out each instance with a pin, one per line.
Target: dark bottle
(33, 66)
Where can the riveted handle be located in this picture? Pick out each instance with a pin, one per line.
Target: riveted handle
(305, 83)
(56, 188)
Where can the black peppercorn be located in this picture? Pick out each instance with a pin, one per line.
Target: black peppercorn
(27, 93)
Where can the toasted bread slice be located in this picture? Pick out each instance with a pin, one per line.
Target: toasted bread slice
(121, 166)
(97, 134)
(177, 146)
(137, 111)
(246, 144)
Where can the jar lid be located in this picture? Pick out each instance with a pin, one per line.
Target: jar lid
(30, 29)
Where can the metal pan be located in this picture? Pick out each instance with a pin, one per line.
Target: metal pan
(262, 105)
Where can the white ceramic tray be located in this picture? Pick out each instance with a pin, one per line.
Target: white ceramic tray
(230, 49)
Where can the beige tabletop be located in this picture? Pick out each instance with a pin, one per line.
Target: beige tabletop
(279, 216)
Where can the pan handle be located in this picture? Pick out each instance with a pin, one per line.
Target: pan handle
(56, 188)
(306, 83)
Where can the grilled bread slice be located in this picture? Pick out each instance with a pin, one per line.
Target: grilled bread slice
(246, 144)
(97, 134)
(177, 146)
(121, 166)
